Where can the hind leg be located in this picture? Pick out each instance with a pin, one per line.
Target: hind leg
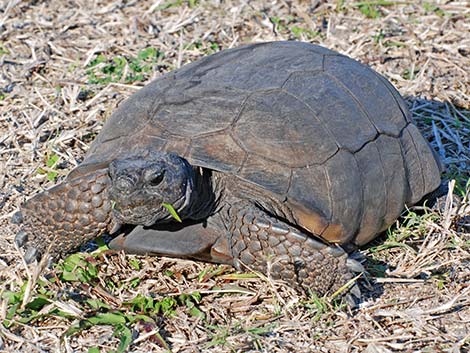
(271, 246)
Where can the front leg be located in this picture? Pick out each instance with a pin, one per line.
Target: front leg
(268, 245)
(59, 220)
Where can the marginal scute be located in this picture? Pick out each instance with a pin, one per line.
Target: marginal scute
(414, 169)
(429, 164)
(374, 192)
(310, 188)
(345, 187)
(335, 233)
(313, 222)
(398, 98)
(395, 177)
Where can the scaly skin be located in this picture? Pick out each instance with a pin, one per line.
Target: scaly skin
(258, 239)
(59, 220)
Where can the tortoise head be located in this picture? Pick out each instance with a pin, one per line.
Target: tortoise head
(142, 184)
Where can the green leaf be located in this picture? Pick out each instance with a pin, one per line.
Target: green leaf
(369, 11)
(37, 303)
(93, 350)
(60, 313)
(135, 264)
(166, 306)
(169, 4)
(12, 310)
(97, 304)
(168, 273)
(140, 317)
(78, 326)
(125, 337)
(98, 60)
(195, 312)
(77, 268)
(148, 53)
(12, 297)
(52, 160)
(134, 282)
(172, 211)
(107, 319)
(51, 176)
(3, 50)
(102, 246)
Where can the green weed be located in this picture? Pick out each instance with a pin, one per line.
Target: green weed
(77, 267)
(409, 74)
(392, 43)
(370, 11)
(317, 305)
(429, 7)
(3, 50)
(378, 38)
(205, 47)
(167, 306)
(299, 32)
(218, 336)
(411, 225)
(102, 70)
(177, 3)
(51, 162)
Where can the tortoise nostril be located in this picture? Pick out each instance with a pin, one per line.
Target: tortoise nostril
(124, 184)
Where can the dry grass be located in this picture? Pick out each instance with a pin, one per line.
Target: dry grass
(54, 99)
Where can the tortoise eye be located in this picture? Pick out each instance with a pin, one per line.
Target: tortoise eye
(156, 179)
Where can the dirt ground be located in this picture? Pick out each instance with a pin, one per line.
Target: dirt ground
(64, 68)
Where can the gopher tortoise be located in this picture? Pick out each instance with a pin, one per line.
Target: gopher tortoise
(279, 157)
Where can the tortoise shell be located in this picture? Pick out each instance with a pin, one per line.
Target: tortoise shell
(323, 133)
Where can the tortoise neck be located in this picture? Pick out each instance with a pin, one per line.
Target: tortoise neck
(204, 196)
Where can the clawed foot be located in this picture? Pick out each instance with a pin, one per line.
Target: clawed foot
(28, 242)
(21, 239)
(30, 253)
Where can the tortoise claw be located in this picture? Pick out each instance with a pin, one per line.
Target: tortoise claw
(353, 297)
(21, 238)
(30, 255)
(355, 291)
(354, 266)
(114, 227)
